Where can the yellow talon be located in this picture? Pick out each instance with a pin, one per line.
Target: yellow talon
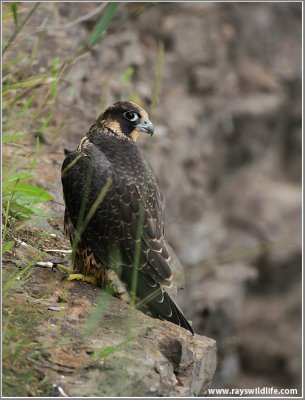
(75, 277)
(81, 277)
(62, 268)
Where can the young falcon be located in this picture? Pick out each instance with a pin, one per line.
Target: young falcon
(113, 213)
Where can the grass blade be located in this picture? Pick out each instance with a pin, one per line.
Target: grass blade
(30, 193)
(127, 75)
(20, 176)
(137, 254)
(12, 138)
(17, 31)
(14, 8)
(7, 246)
(7, 65)
(158, 77)
(7, 285)
(54, 84)
(96, 203)
(28, 83)
(97, 314)
(102, 24)
(20, 212)
(108, 350)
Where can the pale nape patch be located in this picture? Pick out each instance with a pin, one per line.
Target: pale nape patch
(114, 126)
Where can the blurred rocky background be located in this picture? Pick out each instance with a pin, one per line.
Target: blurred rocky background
(222, 82)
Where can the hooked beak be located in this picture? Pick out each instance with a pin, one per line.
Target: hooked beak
(146, 126)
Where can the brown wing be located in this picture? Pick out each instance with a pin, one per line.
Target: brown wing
(140, 211)
(128, 221)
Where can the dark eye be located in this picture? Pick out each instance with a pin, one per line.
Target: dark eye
(131, 116)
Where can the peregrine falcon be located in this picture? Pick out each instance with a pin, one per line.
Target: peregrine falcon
(113, 213)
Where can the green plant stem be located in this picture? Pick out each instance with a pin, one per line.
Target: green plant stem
(103, 23)
(20, 27)
(157, 84)
(11, 281)
(7, 213)
(136, 261)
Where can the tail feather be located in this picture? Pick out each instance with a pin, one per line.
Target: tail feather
(181, 318)
(159, 302)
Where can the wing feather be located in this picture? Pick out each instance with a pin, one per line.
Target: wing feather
(129, 215)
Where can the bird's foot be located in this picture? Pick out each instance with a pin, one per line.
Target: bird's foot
(81, 277)
(117, 286)
(112, 281)
(72, 276)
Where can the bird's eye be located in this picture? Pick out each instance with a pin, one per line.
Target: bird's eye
(131, 116)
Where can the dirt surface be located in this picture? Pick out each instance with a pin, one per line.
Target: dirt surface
(226, 152)
(84, 342)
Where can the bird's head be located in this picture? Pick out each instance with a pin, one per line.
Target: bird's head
(125, 118)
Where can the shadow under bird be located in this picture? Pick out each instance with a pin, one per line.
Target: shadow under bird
(113, 213)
